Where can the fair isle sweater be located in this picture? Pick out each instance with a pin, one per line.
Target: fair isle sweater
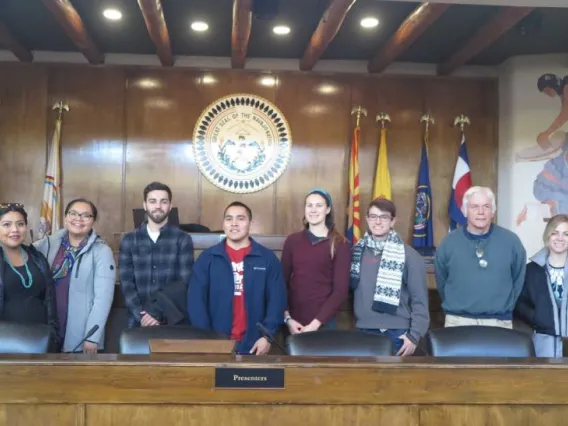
(467, 289)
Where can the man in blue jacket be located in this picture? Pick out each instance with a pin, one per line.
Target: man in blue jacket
(236, 284)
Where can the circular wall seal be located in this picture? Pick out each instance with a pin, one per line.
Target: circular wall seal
(242, 143)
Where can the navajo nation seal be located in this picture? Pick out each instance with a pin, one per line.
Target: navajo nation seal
(242, 143)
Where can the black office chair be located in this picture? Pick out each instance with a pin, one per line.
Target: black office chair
(195, 228)
(16, 338)
(135, 341)
(339, 343)
(479, 341)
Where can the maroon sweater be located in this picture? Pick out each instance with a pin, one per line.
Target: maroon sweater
(317, 285)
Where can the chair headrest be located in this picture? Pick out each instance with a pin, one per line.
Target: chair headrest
(339, 343)
(479, 341)
(16, 338)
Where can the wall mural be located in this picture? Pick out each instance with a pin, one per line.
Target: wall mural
(550, 186)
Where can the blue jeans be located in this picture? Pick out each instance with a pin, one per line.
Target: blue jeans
(392, 333)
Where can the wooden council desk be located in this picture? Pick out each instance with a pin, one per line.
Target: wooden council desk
(163, 390)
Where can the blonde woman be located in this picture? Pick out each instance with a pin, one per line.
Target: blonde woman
(542, 303)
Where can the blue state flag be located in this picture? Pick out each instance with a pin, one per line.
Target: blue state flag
(423, 234)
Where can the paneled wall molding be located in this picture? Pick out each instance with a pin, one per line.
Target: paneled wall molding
(254, 64)
(131, 125)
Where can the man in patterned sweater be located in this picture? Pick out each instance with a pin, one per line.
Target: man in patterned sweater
(155, 263)
(389, 282)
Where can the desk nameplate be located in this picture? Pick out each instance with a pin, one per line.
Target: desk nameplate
(249, 378)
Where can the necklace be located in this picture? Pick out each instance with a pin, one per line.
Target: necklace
(30, 278)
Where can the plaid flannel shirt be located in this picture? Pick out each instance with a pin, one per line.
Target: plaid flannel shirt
(145, 266)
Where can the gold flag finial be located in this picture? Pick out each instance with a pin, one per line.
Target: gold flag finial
(428, 119)
(358, 111)
(462, 121)
(60, 107)
(383, 117)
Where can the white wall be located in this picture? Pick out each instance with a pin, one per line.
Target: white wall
(524, 112)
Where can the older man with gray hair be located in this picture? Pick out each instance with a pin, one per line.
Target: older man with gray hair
(480, 268)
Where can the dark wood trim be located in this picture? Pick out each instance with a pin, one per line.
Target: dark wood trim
(327, 29)
(408, 32)
(10, 42)
(502, 22)
(240, 35)
(75, 29)
(153, 14)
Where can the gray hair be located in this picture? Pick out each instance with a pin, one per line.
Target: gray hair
(476, 190)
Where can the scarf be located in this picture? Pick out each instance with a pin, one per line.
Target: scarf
(61, 268)
(389, 277)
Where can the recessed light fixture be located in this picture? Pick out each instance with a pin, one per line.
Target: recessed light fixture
(369, 22)
(112, 14)
(281, 30)
(268, 81)
(199, 26)
(148, 83)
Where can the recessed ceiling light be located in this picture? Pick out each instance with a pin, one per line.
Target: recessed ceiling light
(268, 81)
(112, 14)
(281, 30)
(369, 22)
(199, 26)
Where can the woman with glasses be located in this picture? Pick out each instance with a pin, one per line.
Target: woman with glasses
(27, 293)
(83, 269)
(315, 262)
(543, 302)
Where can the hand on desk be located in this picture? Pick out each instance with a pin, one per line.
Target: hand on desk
(147, 320)
(294, 326)
(261, 347)
(90, 348)
(313, 326)
(407, 348)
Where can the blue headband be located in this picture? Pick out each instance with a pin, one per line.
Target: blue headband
(323, 193)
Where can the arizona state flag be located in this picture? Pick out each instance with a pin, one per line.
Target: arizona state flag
(423, 235)
(50, 214)
(382, 186)
(353, 206)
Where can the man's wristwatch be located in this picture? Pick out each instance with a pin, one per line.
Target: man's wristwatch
(287, 318)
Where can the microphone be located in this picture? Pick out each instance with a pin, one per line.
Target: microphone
(266, 334)
(89, 334)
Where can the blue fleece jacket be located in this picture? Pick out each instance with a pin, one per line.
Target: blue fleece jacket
(467, 289)
(211, 288)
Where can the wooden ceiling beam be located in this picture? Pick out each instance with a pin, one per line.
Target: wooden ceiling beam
(8, 41)
(153, 14)
(240, 35)
(75, 29)
(406, 34)
(502, 22)
(327, 29)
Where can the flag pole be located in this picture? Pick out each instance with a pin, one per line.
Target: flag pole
(358, 111)
(60, 107)
(383, 117)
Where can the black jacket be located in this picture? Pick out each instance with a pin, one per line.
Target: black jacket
(50, 302)
(535, 306)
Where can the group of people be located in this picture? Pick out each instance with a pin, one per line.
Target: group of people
(67, 280)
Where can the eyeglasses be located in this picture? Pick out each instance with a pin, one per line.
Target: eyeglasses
(83, 216)
(382, 218)
(479, 253)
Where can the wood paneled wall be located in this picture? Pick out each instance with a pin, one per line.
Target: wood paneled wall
(129, 126)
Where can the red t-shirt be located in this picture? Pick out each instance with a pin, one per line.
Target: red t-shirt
(239, 311)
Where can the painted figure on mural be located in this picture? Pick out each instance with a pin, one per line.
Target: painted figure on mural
(551, 184)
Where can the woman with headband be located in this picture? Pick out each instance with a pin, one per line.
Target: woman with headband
(315, 262)
(27, 293)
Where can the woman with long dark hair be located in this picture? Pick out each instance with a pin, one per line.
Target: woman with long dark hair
(316, 263)
(27, 293)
